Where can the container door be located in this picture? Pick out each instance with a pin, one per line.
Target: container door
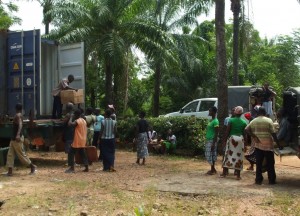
(49, 76)
(23, 70)
(71, 61)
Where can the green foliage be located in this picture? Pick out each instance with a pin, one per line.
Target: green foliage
(128, 113)
(139, 93)
(7, 18)
(189, 131)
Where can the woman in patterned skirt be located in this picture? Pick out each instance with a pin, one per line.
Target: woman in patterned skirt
(142, 138)
(234, 153)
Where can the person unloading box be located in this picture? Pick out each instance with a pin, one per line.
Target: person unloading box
(57, 105)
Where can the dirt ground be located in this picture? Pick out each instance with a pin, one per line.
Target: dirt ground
(166, 185)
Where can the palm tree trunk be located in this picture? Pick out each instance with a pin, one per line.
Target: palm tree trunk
(108, 83)
(157, 80)
(221, 62)
(235, 8)
(47, 28)
(126, 83)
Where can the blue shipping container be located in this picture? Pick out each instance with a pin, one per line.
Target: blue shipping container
(23, 58)
(30, 67)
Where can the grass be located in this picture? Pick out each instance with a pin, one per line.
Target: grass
(287, 203)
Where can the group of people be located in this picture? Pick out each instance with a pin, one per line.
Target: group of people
(91, 129)
(79, 132)
(260, 133)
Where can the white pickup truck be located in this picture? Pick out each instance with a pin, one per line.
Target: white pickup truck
(237, 96)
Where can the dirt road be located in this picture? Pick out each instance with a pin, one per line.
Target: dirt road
(167, 185)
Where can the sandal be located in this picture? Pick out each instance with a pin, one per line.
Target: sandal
(250, 168)
(238, 178)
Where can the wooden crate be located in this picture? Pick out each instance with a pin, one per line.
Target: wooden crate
(76, 97)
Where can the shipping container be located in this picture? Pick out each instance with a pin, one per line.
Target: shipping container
(31, 67)
(3, 37)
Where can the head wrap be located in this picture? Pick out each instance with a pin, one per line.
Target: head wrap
(238, 110)
(248, 116)
(111, 106)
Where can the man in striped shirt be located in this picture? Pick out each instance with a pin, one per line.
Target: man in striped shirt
(261, 129)
(107, 138)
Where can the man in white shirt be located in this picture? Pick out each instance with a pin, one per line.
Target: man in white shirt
(57, 105)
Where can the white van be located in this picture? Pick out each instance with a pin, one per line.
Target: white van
(197, 108)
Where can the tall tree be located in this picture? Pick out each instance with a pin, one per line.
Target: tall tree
(111, 28)
(221, 60)
(236, 9)
(7, 18)
(47, 17)
(170, 17)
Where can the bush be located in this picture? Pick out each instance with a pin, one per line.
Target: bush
(189, 131)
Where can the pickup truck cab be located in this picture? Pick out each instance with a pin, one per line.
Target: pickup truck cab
(198, 108)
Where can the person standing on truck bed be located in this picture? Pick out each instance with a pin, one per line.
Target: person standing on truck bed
(57, 105)
(16, 144)
(268, 95)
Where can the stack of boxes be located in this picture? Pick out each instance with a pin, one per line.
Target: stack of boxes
(75, 97)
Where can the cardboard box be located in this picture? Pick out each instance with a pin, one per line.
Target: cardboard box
(76, 97)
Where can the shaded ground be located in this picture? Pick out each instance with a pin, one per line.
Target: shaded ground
(167, 185)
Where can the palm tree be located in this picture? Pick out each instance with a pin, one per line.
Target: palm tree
(221, 60)
(236, 9)
(47, 17)
(170, 16)
(111, 28)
